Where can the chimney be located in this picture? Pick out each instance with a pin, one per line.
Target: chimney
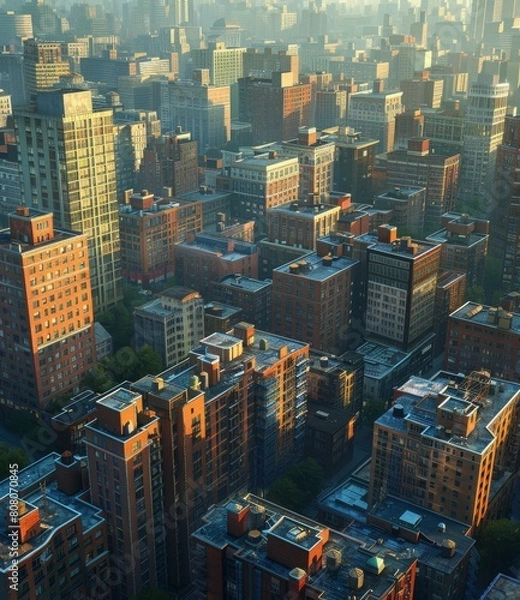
(237, 519)
(68, 474)
(245, 332)
(210, 364)
(387, 234)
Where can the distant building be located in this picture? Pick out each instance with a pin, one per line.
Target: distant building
(311, 301)
(107, 69)
(43, 65)
(500, 586)
(220, 317)
(316, 163)
(104, 342)
(172, 324)
(407, 206)
(450, 295)
(373, 114)
(419, 92)
(275, 254)
(47, 344)
(170, 162)
(401, 280)
(471, 421)
(353, 165)
(205, 259)
(275, 107)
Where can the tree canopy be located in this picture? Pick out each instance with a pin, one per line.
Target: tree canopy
(499, 546)
(298, 486)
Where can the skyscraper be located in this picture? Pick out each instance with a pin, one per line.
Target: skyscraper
(67, 166)
(484, 127)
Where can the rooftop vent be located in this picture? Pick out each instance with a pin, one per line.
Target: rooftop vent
(356, 578)
(398, 411)
(333, 558)
(448, 548)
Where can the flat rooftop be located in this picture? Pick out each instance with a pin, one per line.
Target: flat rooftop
(312, 266)
(361, 549)
(472, 312)
(303, 210)
(373, 242)
(119, 399)
(244, 282)
(402, 194)
(443, 236)
(326, 418)
(501, 588)
(381, 359)
(420, 402)
(205, 196)
(220, 310)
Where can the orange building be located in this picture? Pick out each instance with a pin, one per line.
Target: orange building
(150, 227)
(48, 341)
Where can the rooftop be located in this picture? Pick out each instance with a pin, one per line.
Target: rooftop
(488, 316)
(363, 552)
(327, 418)
(303, 210)
(317, 268)
(119, 399)
(420, 400)
(394, 248)
(401, 194)
(444, 236)
(220, 310)
(381, 359)
(247, 283)
(501, 588)
(225, 248)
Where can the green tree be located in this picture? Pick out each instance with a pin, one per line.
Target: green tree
(285, 492)
(118, 321)
(149, 362)
(492, 280)
(9, 456)
(308, 476)
(499, 546)
(96, 380)
(372, 410)
(121, 365)
(476, 294)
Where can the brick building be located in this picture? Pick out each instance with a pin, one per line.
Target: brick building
(204, 260)
(311, 301)
(448, 444)
(48, 343)
(251, 295)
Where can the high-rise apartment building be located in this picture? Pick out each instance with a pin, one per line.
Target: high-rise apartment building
(129, 145)
(331, 108)
(225, 65)
(124, 462)
(47, 343)
(43, 65)
(67, 165)
(311, 301)
(202, 109)
(419, 92)
(316, 163)
(262, 65)
(484, 127)
(373, 115)
(172, 324)
(150, 227)
(404, 208)
(464, 433)
(401, 280)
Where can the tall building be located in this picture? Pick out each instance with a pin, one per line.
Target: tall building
(465, 436)
(43, 65)
(225, 65)
(422, 92)
(150, 227)
(67, 165)
(129, 145)
(353, 165)
(316, 163)
(331, 108)
(48, 342)
(261, 183)
(15, 29)
(202, 109)
(484, 127)
(401, 280)
(505, 217)
(404, 208)
(438, 173)
(172, 324)
(276, 107)
(129, 489)
(373, 115)
(311, 301)
(262, 65)
(170, 162)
